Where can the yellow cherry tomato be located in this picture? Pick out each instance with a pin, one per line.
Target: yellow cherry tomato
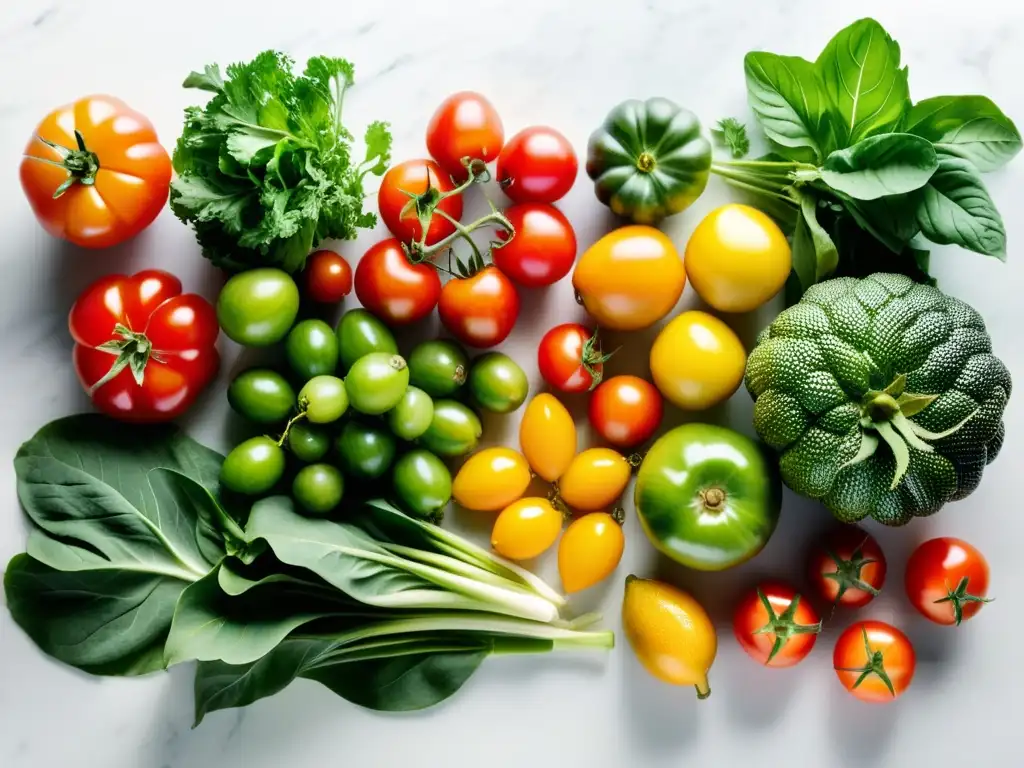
(630, 278)
(594, 480)
(589, 551)
(670, 632)
(737, 258)
(526, 528)
(697, 361)
(491, 479)
(547, 436)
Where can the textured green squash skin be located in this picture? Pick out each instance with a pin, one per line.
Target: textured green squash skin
(814, 363)
(648, 160)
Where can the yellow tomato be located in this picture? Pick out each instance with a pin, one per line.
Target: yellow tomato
(491, 480)
(737, 258)
(670, 632)
(630, 278)
(526, 528)
(595, 479)
(547, 436)
(697, 361)
(589, 551)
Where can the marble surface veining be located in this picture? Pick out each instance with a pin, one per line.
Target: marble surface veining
(541, 61)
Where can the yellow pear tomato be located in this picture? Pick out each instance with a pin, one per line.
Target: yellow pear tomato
(526, 528)
(737, 258)
(547, 436)
(630, 278)
(589, 551)
(670, 632)
(697, 361)
(594, 480)
(491, 479)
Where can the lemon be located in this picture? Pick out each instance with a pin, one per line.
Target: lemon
(670, 632)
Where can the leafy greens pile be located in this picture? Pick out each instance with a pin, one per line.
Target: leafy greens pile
(866, 177)
(265, 171)
(134, 562)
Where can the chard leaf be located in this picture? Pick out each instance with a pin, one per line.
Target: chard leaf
(879, 166)
(972, 127)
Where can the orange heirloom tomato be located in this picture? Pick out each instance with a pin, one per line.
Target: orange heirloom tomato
(594, 480)
(94, 173)
(589, 551)
(526, 528)
(491, 479)
(547, 436)
(630, 278)
(874, 661)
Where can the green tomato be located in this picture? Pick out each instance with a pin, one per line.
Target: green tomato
(318, 488)
(312, 349)
(376, 382)
(413, 414)
(497, 383)
(324, 398)
(707, 497)
(438, 367)
(360, 333)
(308, 442)
(454, 430)
(261, 395)
(256, 308)
(253, 467)
(365, 450)
(422, 484)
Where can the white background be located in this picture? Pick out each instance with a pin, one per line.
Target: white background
(564, 64)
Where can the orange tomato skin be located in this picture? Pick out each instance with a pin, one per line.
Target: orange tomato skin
(547, 436)
(130, 187)
(414, 176)
(851, 656)
(590, 550)
(751, 616)
(625, 410)
(594, 479)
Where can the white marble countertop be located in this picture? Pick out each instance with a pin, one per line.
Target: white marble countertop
(565, 64)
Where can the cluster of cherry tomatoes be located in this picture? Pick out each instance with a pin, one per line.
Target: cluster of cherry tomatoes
(946, 581)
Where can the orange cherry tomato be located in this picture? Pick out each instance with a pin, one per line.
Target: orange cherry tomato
(625, 410)
(465, 125)
(480, 311)
(847, 567)
(874, 661)
(491, 479)
(775, 625)
(947, 580)
(526, 528)
(590, 550)
(94, 172)
(594, 480)
(327, 277)
(547, 436)
(415, 177)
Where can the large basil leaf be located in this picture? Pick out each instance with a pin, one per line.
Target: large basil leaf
(955, 209)
(970, 126)
(787, 96)
(891, 164)
(860, 69)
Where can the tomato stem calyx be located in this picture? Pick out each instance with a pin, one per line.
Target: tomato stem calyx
(591, 357)
(875, 666)
(958, 597)
(848, 573)
(712, 498)
(783, 625)
(133, 351)
(81, 164)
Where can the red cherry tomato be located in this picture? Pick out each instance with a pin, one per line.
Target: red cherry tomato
(465, 125)
(143, 349)
(874, 661)
(392, 287)
(415, 176)
(947, 580)
(625, 410)
(847, 567)
(775, 626)
(569, 357)
(543, 249)
(481, 310)
(328, 277)
(537, 165)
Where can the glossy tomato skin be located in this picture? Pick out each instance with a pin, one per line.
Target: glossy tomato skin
(526, 528)
(480, 311)
(416, 176)
(625, 410)
(560, 358)
(880, 647)
(697, 361)
(543, 249)
(847, 566)
(392, 287)
(491, 479)
(547, 436)
(590, 550)
(947, 580)
(537, 165)
(130, 186)
(182, 329)
(465, 125)
(594, 480)
(327, 277)
(797, 631)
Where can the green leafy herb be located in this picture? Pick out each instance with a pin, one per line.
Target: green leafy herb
(732, 134)
(970, 126)
(266, 171)
(891, 164)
